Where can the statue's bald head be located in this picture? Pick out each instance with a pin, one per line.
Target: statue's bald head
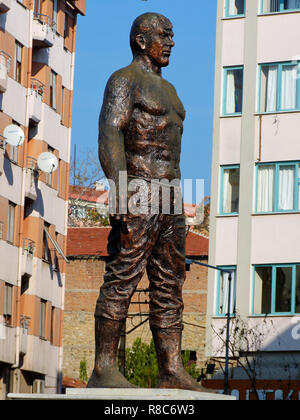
(145, 24)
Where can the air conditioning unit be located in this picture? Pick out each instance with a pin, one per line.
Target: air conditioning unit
(38, 386)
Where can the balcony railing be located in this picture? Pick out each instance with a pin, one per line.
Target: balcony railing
(31, 178)
(27, 261)
(37, 87)
(2, 141)
(35, 100)
(5, 6)
(31, 163)
(28, 246)
(5, 61)
(44, 29)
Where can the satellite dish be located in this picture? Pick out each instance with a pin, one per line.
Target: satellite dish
(14, 135)
(47, 162)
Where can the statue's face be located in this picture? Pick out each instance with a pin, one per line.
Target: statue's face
(159, 44)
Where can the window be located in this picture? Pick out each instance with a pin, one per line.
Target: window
(55, 12)
(278, 187)
(11, 222)
(8, 295)
(62, 119)
(276, 289)
(36, 7)
(46, 256)
(275, 6)
(43, 319)
(230, 185)
(233, 90)
(234, 8)
(223, 292)
(13, 153)
(53, 90)
(18, 62)
(49, 177)
(53, 324)
(279, 87)
(56, 260)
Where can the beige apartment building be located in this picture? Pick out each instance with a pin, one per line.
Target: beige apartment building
(255, 195)
(37, 51)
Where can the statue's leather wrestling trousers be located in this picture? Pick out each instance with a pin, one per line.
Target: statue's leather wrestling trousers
(155, 243)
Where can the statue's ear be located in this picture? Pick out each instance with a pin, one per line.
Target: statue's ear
(141, 41)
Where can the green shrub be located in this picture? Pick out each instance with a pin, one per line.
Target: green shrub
(142, 368)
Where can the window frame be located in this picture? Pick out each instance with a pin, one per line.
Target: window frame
(282, 9)
(273, 289)
(225, 89)
(226, 11)
(223, 168)
(53, 90)
(279, 65)
(17, 63)
(232, 268)
(278, 165)
(8, 304)
(43, 319)
(11, 222)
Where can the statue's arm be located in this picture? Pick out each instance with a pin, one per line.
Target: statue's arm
(114, 119)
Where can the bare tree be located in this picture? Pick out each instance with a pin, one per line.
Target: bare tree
(85, 173)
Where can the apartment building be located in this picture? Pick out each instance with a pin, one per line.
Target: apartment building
(37, 51)
(255, 196)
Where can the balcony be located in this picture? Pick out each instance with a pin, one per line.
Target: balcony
(31, 179)
(27, 260)
(4, 6)
(35, 101)
(5, 61)
(44, 30)
(25, 324)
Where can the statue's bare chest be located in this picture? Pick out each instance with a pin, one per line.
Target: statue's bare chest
(158, 98)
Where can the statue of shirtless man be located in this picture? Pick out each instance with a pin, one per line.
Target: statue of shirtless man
(140, 129)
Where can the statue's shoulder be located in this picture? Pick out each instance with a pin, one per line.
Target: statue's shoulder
(122, 77)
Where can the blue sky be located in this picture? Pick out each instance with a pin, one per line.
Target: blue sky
(103, 47)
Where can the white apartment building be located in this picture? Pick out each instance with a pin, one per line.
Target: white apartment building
(255, 195)
(37, 52)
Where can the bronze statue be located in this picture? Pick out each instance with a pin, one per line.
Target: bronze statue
(140, 129)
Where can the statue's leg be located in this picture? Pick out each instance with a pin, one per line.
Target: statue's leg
(124, 269)
(106, 373)
(166, 271)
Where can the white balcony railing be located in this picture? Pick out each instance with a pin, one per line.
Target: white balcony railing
(44, 29)
(5, 61)
(35, 100)
(28, 251)
(5, 6)
(31, 179)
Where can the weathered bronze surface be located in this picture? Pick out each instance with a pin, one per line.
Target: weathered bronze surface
(140, 129)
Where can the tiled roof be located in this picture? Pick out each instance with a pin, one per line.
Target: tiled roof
(92, 241)
(88, 194)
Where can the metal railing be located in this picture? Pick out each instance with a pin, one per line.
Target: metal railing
(45, 20)
(31, 163)
(28, 245)
(37, 86)
(2, 141)
(5, 59)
